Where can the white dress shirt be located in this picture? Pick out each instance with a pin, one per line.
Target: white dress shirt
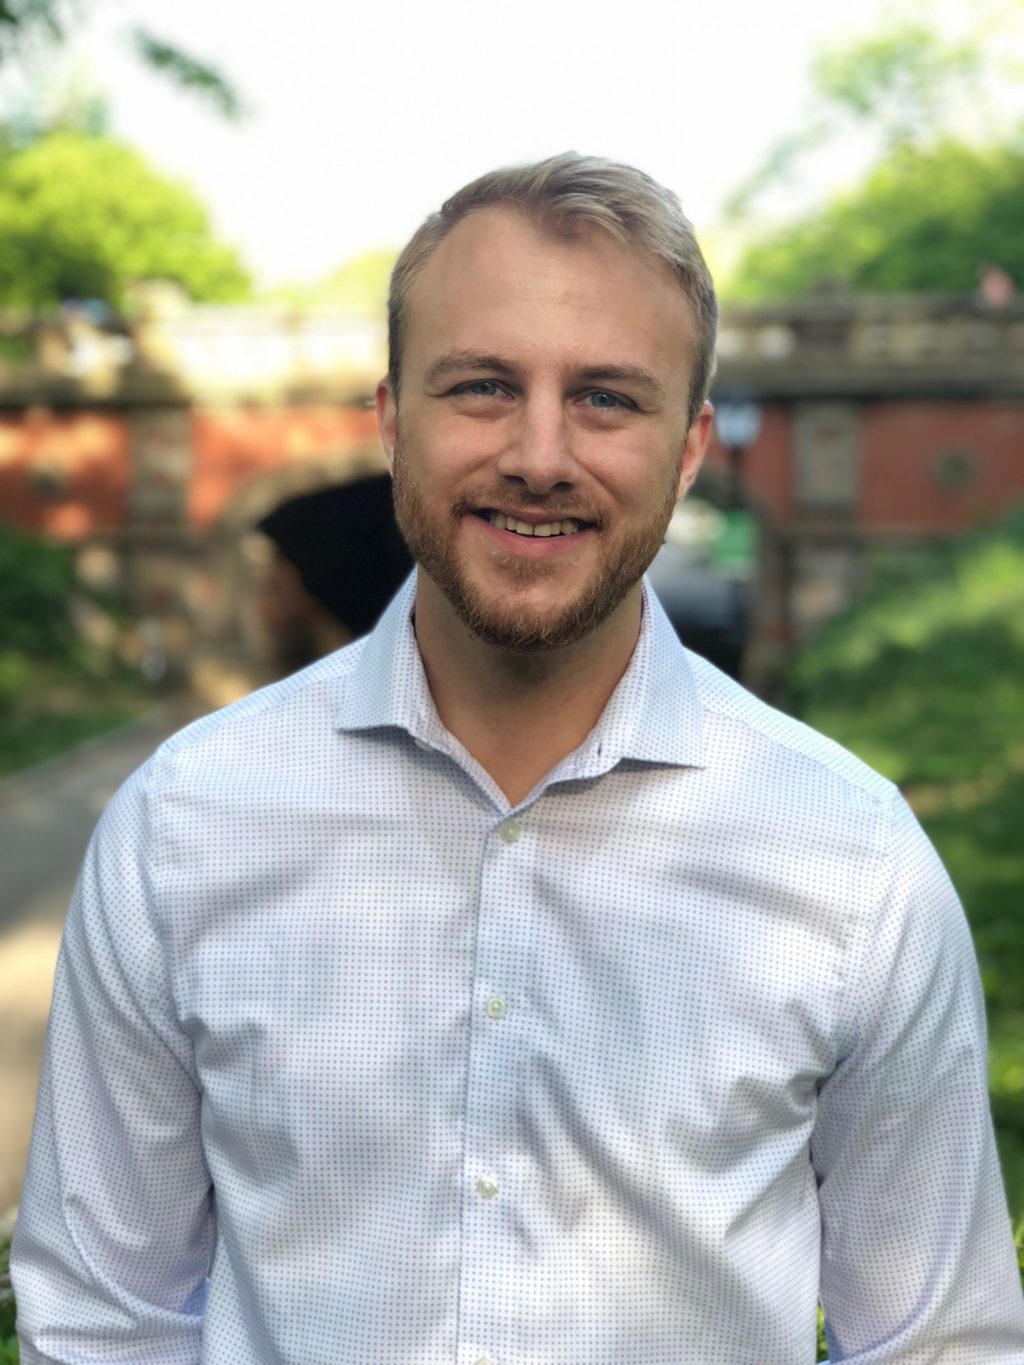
(350, 1063)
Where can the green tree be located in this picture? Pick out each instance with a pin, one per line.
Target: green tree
(925, 218)
(904, 80)
(358, 286)
(83, 216)
(901, 84)
(934, 207)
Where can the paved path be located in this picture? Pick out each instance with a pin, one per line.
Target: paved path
(46, 816)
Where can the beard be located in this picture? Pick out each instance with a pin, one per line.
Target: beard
(498, 619)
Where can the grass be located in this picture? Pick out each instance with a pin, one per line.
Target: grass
(48, 707)
(8, 1341)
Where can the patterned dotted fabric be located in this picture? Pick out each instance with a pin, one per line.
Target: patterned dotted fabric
(350, 1063)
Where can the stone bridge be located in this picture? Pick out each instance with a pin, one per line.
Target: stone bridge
(154, 445)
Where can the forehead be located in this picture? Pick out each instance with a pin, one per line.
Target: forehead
(500, 283)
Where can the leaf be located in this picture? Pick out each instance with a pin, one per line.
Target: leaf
(199, 77)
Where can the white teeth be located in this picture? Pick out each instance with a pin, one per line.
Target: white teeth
(525, 528)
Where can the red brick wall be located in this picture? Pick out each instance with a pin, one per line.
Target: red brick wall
(64, 474)
(900, 443)
(232, 446)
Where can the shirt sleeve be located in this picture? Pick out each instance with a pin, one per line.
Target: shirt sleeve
(917, 1263)
(115, 1231)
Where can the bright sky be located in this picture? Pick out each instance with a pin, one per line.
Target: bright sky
(366, 115)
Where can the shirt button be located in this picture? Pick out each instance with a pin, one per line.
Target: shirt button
(509, 831)
(422, 744)
(486, 1187)
(495, 1008)
(483, 1360)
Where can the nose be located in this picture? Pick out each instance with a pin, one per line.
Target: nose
(539, 450)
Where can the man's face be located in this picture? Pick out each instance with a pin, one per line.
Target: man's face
(544, 388)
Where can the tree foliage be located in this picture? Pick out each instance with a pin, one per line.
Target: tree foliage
(924, 679)
(935, 207)
(901, 84)
(199, 78)
(83, 216)
(358, 286)
(27, 25)
(926, 218)
(23, 21)
(902, 80)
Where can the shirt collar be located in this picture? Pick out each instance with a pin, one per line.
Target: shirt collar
(653, 716)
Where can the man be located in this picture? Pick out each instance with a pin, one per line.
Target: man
(511, 987)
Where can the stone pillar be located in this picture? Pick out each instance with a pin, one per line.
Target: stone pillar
(825, 564)
(825, 462)
(158, 539)
(161, 447)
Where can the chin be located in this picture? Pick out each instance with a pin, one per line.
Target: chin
(528, 629)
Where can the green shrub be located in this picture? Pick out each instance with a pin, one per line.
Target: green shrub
(924, 679)
(56, 687)
(37, 578)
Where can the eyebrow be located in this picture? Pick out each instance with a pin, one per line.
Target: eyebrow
(634, 375)
(467, 360)
(455, 361)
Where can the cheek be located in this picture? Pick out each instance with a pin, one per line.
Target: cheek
(449, 448)
(634, 475)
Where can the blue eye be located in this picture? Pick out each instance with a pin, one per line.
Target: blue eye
(609, 400)
(480, 388)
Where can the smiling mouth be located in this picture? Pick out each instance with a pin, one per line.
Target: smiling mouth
(565, 527)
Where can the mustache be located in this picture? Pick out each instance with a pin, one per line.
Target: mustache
(509, 497)
(556, 508)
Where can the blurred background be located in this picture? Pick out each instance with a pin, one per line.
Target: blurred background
(199, 210)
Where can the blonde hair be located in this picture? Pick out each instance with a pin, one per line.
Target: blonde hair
(561, 193)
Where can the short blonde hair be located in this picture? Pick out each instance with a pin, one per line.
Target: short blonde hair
(560, 193)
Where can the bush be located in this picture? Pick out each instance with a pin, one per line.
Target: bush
(924, 679)
(37, 579)
(56, 687)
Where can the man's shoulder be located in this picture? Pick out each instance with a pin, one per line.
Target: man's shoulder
(740, 728)
(264, 722)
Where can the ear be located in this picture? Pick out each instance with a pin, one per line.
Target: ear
(387, 419)
(693, 450)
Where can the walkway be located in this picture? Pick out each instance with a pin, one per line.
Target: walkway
(46, 817)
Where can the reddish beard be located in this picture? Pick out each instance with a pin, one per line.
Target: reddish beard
(501, 622)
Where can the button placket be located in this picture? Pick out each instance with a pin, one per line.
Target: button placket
(489, 1189)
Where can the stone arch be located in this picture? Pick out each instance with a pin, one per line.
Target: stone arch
(262, 492)
(233, 651)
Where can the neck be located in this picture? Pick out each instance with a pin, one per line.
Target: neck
(518, 714)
